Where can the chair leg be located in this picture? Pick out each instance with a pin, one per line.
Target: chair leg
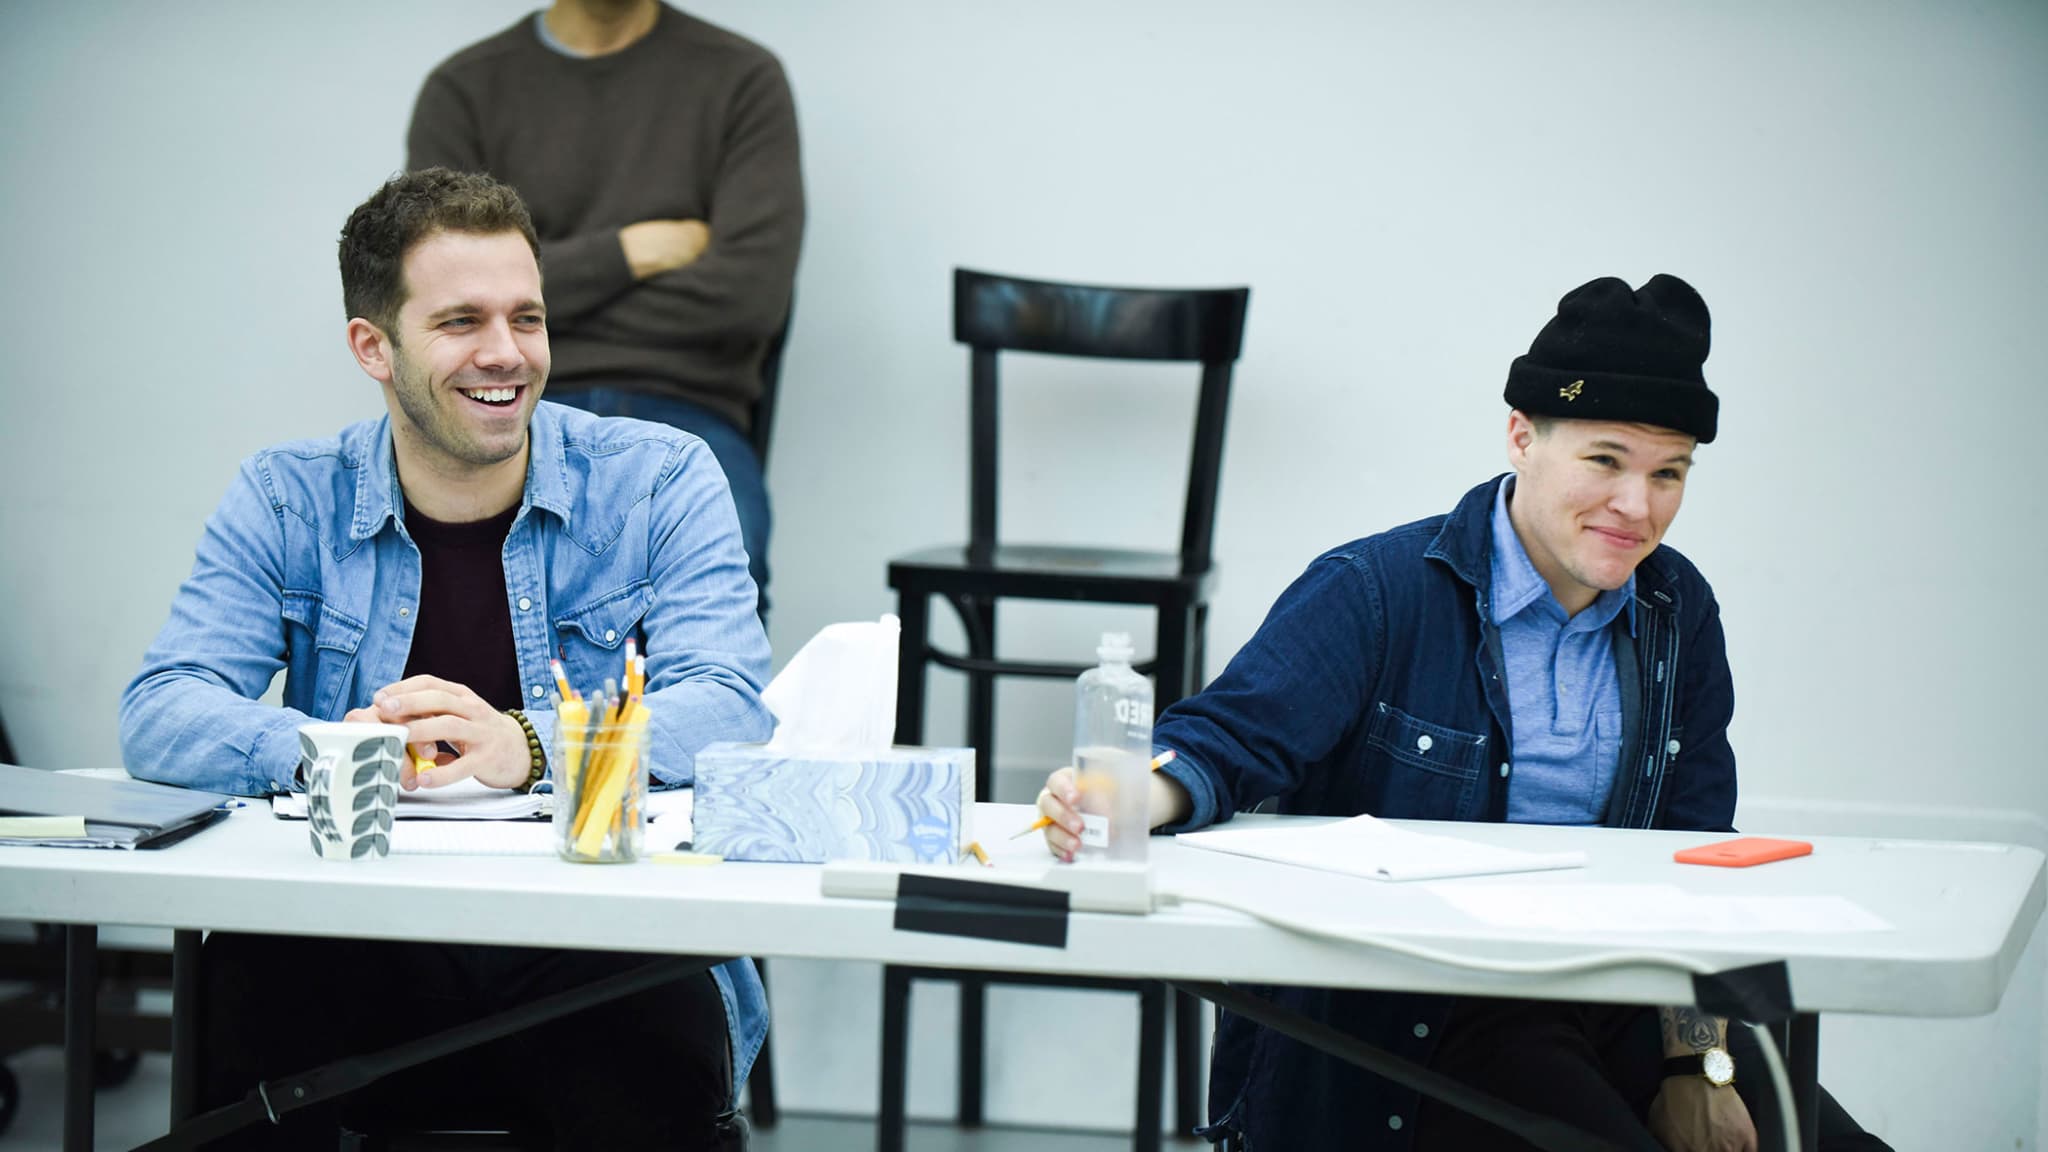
(978, 614)
(761, 1080)
(1181, 644)
(895, 1059)
(973, 1043)
(1171, 680)
(1187, 1064)
(1152, 998)
(913, 610)
(81, 1005)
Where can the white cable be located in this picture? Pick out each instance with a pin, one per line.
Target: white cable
(1780, 1083)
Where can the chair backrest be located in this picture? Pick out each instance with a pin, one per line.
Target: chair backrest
(761, 416)
(1194, 325)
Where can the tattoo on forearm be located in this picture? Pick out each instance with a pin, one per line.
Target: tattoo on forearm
(1689, 1027)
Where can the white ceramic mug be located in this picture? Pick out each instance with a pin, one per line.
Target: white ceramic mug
(351, 774)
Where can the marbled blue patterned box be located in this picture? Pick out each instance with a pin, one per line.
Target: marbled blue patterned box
(903, 805)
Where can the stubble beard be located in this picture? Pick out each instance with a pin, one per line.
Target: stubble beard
(434, 413)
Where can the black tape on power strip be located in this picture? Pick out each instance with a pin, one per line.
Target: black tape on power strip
(1760, 993)
(949, 907)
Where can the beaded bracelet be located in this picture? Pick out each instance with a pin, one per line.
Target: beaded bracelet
(534, 751)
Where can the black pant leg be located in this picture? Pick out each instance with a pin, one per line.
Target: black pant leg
(650, 1070)
(278, 1005)
(1558, 1059)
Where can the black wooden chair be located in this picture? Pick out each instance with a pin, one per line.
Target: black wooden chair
(993, 314)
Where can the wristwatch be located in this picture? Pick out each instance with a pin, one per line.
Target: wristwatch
(1714, 1066)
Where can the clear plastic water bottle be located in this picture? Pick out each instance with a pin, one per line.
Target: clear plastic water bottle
(1113, 754)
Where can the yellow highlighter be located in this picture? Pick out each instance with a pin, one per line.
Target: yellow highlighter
(572, 715)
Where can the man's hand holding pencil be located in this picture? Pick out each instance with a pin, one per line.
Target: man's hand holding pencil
(1059, 806)
(439, 715)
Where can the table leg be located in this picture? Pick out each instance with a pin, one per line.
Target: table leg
(889, 1117)
(81, 1004)
(973, 1049)
(184, 1025)
(1803, 1068)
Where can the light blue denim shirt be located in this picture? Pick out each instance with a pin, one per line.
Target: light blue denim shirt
(626, 529)
(1563, 692)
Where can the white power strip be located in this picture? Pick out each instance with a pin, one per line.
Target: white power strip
(1091, 887)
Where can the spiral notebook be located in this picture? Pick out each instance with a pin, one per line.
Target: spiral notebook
(473, 838)
(462, 800)
(668, 827)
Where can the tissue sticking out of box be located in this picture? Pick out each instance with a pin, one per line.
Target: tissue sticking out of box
(838, 693)
(829, 786)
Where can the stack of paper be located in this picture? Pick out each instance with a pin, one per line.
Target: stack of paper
(1372, 848)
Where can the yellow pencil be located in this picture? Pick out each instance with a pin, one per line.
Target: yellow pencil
(1158, 762)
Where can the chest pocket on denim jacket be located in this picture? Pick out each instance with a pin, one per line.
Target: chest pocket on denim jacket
(330, 660)
(1426, 771)
(592, 637)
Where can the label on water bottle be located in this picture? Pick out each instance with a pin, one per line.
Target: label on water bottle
(1136, 717)
(1094, 831)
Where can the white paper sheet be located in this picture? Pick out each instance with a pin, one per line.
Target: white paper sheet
(1372, 848)
(668, 821)
(1660, 908)
(463, 800)
(473, 838)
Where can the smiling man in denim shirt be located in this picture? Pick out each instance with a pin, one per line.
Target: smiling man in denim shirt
(423, 569)
(1535, 656)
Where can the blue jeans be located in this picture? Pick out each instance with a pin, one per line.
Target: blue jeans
(734, 451)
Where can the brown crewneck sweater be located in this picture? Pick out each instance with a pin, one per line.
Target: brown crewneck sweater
(688, 122)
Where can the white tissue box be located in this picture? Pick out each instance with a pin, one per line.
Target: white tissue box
(901, 805)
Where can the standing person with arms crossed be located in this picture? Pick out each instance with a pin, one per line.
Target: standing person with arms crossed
(659, 156)
(422, 569)
(1499, 663)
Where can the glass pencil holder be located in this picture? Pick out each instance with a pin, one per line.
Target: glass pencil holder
(600, 792)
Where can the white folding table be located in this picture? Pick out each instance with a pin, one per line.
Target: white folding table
(1960, 915)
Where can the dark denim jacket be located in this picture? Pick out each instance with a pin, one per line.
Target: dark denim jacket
(1380, 643)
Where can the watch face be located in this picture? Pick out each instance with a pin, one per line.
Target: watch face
(1717, 1066)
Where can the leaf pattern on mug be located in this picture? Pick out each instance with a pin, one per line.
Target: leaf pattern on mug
(371, 795)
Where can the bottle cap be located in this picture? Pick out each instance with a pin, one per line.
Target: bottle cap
(1115, 648)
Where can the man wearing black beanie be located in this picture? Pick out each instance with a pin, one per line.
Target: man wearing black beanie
(1500, 663)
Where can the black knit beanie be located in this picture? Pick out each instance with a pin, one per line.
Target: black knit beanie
(1613, 353)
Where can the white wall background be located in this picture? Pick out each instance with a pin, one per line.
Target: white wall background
(1856, 188)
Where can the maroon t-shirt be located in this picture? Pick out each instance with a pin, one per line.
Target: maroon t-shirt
(463, 631)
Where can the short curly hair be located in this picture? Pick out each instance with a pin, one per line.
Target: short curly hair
(409, 208)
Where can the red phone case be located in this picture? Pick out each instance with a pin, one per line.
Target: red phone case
(1744, 852)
